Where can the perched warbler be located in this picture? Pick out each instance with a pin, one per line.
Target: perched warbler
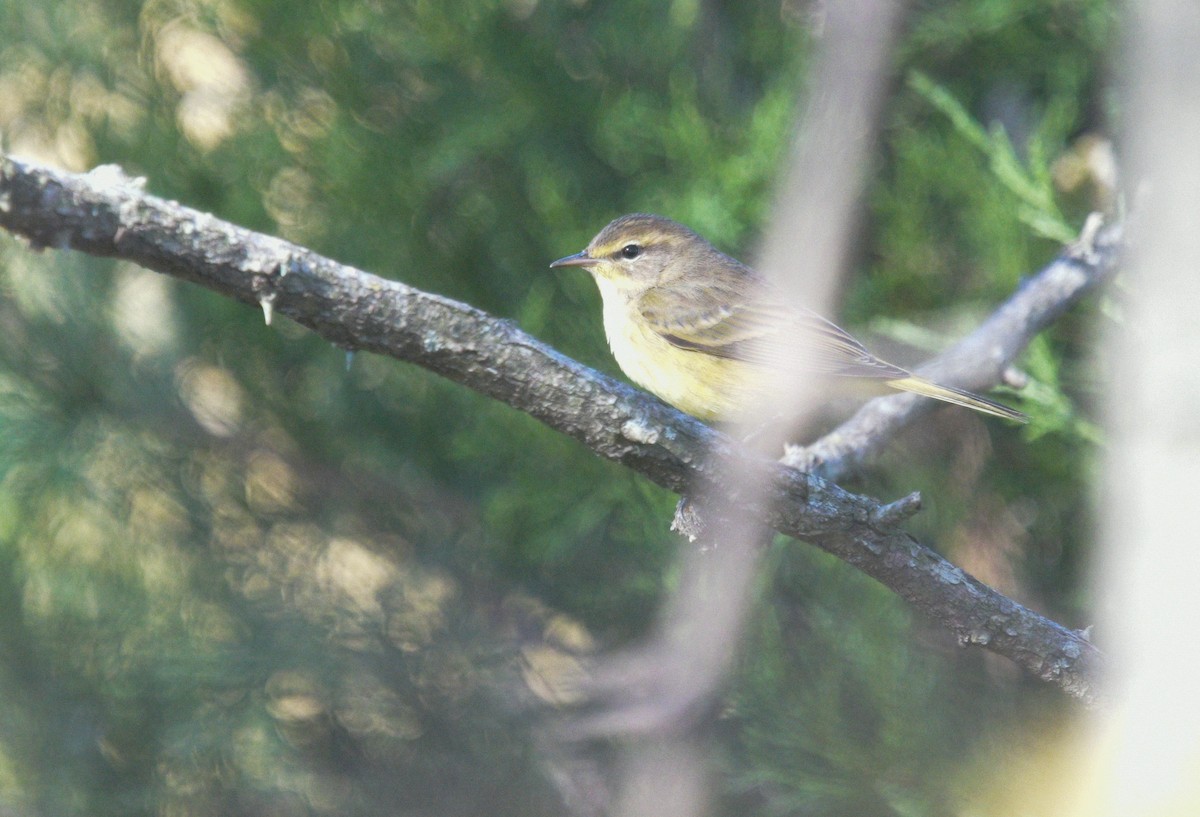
(703, 331)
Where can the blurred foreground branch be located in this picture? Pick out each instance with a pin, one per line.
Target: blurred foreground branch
(105, 213)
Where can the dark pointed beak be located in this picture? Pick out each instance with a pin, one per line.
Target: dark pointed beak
(579, 259)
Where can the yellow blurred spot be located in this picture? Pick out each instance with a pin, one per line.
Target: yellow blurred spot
(83, 534)
(355, 573)
(552, 674)
(296, 708)
(1080, 768)
(294, 695)
(566, 632)
(1091, 161)
(416, 612)
(213, 83)
(270, 483)
(212, 396)
(143, 312)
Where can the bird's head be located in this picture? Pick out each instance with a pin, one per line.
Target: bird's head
(636, 252)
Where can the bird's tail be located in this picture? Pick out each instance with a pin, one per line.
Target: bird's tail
(959, 397)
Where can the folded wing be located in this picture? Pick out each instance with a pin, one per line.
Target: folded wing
(718, 321)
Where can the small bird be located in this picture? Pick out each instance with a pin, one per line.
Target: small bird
(699, 329)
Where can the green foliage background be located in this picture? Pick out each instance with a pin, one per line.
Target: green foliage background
(237, 577)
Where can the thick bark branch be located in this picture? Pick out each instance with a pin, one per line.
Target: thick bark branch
(105, 213)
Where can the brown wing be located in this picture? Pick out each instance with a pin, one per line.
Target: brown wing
(718, 321)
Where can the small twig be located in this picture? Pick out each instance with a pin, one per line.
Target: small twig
(895, 514)
(980, 360)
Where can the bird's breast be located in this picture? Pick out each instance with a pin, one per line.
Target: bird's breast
(704, 386)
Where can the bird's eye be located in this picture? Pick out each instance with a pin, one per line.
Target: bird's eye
(631, 251)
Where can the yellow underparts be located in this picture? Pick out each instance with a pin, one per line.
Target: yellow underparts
(717, 388)
(704, 386)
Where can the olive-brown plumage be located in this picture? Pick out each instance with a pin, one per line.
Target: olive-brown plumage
(694, 326)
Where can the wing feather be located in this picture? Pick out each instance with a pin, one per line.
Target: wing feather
(717, 320)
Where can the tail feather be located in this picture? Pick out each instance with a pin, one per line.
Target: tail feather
(959, 397)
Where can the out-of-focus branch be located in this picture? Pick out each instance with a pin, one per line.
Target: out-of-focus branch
(106, 214)
(664, 690)
(978, 361)
(1148, 491)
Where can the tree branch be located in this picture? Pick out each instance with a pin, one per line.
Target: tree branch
(107, 214)
(978, 361)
